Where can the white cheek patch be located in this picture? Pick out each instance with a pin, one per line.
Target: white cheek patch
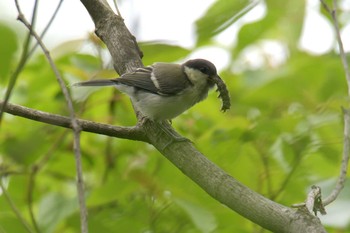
(196, 77)
(155, 81)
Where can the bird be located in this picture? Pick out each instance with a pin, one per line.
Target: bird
(163, 91)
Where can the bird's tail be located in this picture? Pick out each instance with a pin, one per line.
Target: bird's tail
(96, 82)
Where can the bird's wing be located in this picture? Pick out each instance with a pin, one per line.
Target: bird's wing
(144, 78)
(171, 83)
(140, 79)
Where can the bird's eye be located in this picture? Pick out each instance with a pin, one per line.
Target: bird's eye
(204, 70)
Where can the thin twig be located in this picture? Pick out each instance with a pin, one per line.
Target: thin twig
(46, 28)
(345, 157)
(333, 13)
(340, 43)
(22, 61)
(37, 166)
(109, 153)
(31, 186)
(266, 168)
(132, 133)
(13, 207)
(287, 178)
(117, 8)
(75, 126)
(25, 54)
(345, 160)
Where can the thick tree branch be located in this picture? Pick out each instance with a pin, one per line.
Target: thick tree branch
(196, 166)
(230, 192)
(221, 186)
(113, 32)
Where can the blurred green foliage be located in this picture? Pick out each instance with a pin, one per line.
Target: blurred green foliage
(283, 134)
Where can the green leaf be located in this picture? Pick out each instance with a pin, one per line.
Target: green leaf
(67, 47)
(8, 48)
(273, 25)
(10, 223)
(53, 208)
(221, 15)
(110, 192)
(157, 51)
(203, 219)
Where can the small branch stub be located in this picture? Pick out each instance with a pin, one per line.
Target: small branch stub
(313, 201)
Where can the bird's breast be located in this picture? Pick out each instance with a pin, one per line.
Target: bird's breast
(159, 107)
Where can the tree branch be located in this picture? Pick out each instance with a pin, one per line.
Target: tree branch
(221, 186)
(196, 166)
(75, 126)
(23, 60)
(132, 133)
(346, 112)
(14, 208)
(112, 31)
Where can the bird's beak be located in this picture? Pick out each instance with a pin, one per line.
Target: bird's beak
(213, 79)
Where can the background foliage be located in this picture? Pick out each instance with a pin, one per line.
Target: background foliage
(283, 133)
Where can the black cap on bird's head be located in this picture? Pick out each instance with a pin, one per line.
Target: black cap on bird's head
(206, 67)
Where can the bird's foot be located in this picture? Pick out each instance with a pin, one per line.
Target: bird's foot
(175, 137)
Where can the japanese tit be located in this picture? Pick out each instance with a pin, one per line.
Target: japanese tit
(164, 90)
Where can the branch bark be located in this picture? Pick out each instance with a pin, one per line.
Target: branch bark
(197, 167)
(112, 31)
(221, 186)
(346, 112)
(132, 133)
